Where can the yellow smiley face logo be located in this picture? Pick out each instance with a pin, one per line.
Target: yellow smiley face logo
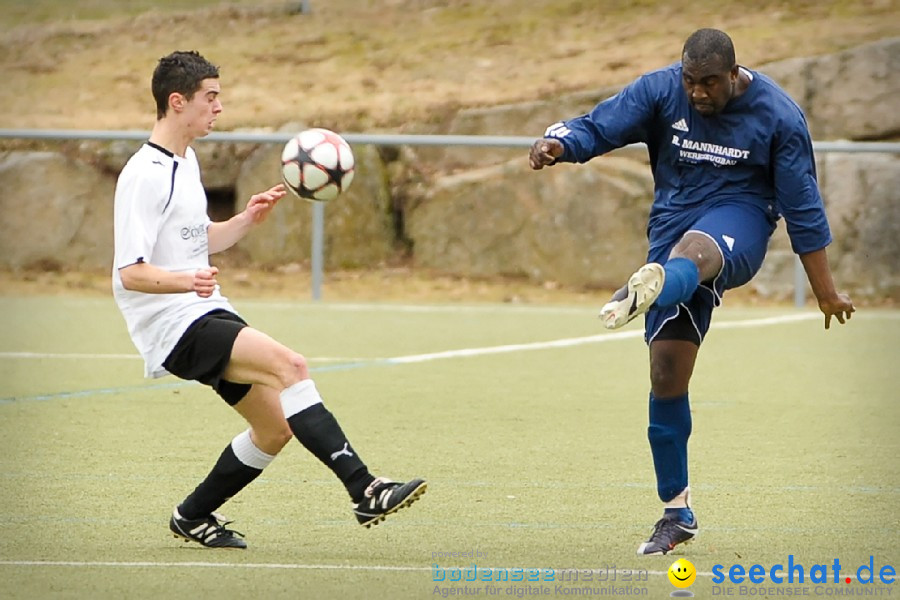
(682, 573)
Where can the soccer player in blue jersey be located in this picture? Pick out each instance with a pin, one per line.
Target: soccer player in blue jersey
(730, 154)
(180, 322)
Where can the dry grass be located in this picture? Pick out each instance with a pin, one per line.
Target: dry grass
(379, 64)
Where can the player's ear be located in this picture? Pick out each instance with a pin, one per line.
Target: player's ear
(177, 101)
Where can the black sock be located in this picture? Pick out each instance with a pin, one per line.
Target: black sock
(226, 479)
(317, 429)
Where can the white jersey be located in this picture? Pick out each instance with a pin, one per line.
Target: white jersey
(160, 219)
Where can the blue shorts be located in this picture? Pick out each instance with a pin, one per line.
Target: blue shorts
(740, 230)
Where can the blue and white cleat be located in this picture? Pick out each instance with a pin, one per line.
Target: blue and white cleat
(644, 287)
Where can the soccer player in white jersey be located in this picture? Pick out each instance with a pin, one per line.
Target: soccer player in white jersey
(730, 154)
(167, 291)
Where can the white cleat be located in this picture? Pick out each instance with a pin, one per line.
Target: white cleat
(644, 287)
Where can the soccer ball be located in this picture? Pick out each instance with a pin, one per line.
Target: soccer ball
(317, 164)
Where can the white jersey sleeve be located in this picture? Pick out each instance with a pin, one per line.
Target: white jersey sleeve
(140, 200)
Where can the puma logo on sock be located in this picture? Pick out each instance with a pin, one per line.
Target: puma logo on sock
(343, 451)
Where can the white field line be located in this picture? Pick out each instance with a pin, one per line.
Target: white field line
(87, 356)
(313, 567)
(464, 352)
(562, 343)
(72, 355)
(591, 339)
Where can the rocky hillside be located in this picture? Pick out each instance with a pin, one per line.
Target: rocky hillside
(362, 65)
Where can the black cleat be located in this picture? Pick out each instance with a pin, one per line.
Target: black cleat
(384, 497)
(668, 533)
(209, 532)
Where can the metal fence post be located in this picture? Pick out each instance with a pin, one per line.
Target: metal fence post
(317, 251)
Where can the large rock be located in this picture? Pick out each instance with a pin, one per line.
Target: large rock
(359, 230)
(57, 212)
(862, 199)
(860, 193)
(851, 94)
(219, 161)
(581, 225)
(528, 119)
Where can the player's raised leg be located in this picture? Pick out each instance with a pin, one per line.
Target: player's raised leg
(694, 258)
(256, 355)
(317, 429)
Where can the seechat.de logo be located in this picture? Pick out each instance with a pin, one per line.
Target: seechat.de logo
(795, 572)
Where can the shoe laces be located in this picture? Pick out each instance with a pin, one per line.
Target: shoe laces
(665, 531)
(219, 521)
(378, 485)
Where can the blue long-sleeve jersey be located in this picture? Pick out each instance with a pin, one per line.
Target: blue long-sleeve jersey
(757, 150)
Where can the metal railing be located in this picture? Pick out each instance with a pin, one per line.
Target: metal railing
(377, 139)
(318, 210)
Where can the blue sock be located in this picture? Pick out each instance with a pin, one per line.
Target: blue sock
(682, 278)
(682, 515)
(669, 430)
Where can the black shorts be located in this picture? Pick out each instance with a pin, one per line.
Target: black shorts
(204, 350)
(679, 328)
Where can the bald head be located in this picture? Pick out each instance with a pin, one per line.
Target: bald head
(709, 46)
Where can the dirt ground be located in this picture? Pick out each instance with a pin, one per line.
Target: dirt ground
(399, 284)
(294, 282)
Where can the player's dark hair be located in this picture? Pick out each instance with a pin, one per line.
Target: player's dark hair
(181, 72)
(706, 43)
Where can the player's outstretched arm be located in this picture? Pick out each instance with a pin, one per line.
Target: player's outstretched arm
(544, 152)
(149, 279)
(831, 303)
(225, 234)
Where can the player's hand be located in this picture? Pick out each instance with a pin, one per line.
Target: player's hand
(544, 152)
(840, 307)
(205, 281)
(260, 205)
